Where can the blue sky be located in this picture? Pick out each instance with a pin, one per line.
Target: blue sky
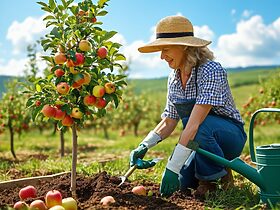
(244, 32)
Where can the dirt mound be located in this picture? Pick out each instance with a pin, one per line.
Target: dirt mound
(91, 189)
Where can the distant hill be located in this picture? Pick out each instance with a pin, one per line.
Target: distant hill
(252, 68)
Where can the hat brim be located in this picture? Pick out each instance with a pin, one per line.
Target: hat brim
(160, 43)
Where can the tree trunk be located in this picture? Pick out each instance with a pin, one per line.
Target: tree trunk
(136, 125)
(74, 160)
(12, 138)
(106, 135)
(61, 143)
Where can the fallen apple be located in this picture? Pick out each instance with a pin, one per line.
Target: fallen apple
(21, 205)
(38, 205)
(107, 200)
(57, 207)
(53, 198)
(69, 203)
(139, 190)
(27, 192)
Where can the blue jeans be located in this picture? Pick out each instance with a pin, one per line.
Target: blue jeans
(218, 135)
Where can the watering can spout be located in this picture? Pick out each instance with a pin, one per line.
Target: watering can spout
(236, 164)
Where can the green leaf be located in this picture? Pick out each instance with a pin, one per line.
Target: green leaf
(38, 88)
(47, 58)
(116, 100)
(56, 33)
(49, 17)
(64, 3)
(74, 10)
(36, 112)
(109, 35)
(52, 4)
(102, 13)
(119, 57)
(101, 3)
(42, 3)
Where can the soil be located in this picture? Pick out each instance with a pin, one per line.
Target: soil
(91, 189)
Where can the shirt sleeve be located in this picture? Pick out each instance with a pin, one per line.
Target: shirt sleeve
(169, 110)
(211, 85)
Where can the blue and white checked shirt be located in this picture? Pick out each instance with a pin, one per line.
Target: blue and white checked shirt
(213, 89)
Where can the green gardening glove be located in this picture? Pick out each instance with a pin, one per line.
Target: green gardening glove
(169, 183)
(143, 164)
(139, 152)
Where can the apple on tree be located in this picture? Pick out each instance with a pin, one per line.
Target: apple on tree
(110, 87)
(48, 111)
(102, 52)
(76, 113)
(85, 45)
(59, 73)
(59, 114)
(60, 58)
(89, 100)
(67, 121)
(100, 103)
(98, 91)
(80, 59)
(63, 88)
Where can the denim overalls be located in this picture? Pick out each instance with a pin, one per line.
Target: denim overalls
(220, 135)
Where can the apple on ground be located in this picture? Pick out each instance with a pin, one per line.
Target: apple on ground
(89, 100)
(63, 88)
(38, 205)
(98, 91)
(69, 203)
(60, 58)
(57, 207)
(76, 113)
(48, 111)
(100, 103)
(110, 87)
(59, 114)
(139, 190)
(59, 73)
(107, 200)
(102, 52)
(85, 45)
(53, 198)
(27, 192)
(21, 205)
(67, 121)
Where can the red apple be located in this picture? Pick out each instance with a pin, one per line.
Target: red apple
(139, 190)
(100, 103)
(69, 203)
(60, 58)
(98, 91)
(27, 192)
(102, 52)
(107, 200)
(38, 205)
(80, 59)
(37, 103)
(59, 114)
(63, 88)
(89, 100)
(110, 87)
(59, 72)
(85, 45)
(53, 198)
(93, 20)
(67, 121)
(21, 205)
(69, 63)
(48, 111)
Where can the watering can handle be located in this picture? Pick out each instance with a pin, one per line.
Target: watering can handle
(251, 126)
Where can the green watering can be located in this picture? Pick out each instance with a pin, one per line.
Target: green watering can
(267, 160)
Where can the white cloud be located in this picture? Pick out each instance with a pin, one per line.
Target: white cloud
(27, 32)
(253, 43)
(13, 67)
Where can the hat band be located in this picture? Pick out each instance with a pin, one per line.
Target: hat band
(173, 35)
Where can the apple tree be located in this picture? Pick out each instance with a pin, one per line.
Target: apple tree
(83, 61)
(13, 115)
(268, 96)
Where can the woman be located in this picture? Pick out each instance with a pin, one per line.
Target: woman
(199, 95)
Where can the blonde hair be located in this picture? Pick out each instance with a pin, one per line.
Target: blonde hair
(198, 55)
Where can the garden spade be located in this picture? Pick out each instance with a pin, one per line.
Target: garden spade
(130, 171)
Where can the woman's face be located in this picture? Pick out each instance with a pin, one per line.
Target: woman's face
(175, 56)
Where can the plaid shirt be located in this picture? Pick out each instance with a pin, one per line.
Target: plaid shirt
(212, 88)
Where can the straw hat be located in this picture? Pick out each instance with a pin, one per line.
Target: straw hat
(173, 30)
